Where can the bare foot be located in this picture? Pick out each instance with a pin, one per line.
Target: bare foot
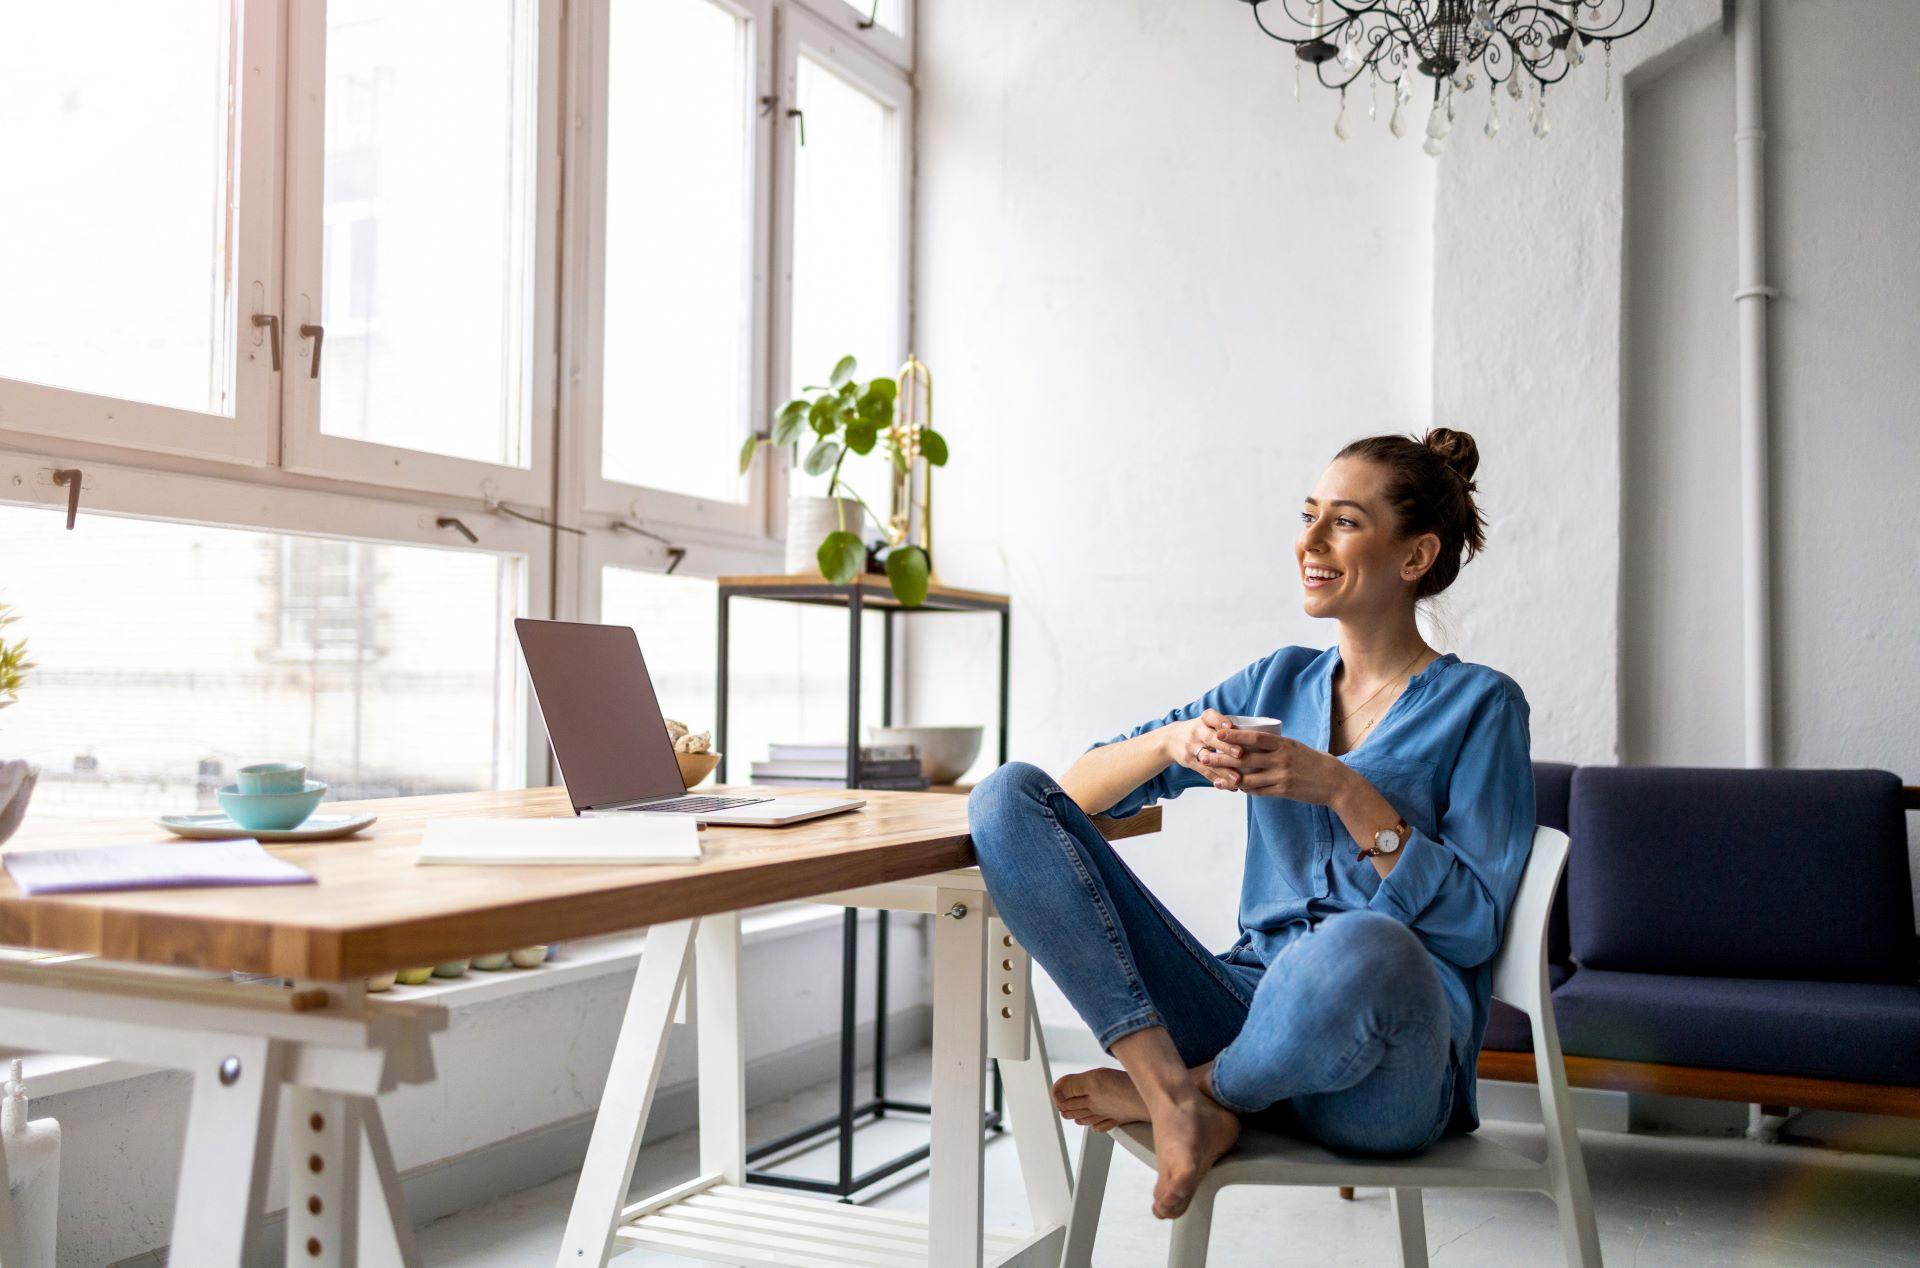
(1099, 1099)
(1189, 1136)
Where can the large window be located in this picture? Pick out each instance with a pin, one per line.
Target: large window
(417, 238)
(369, 325)
(171, 654)
(136, 224)
(847, 241)
(680, 247)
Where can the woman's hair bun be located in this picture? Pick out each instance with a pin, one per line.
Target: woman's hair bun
(1456, 449)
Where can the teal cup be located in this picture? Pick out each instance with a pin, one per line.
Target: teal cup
(272, 777)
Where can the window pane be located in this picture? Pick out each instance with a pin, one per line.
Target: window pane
(679, 278)
(426, 282)
(885, 13)
(789, 680)
(116, 221)
(169, 655)
(846, 249)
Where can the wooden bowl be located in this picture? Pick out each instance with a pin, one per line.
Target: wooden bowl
(695, 767)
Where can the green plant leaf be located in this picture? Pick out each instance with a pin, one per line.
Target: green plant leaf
(747, 452)
(934, 446)
(821, 457)
(861, 435)
(788, 428)
(876, 410)
(908, 570)
(822, 415)
(884, 388)
(844, 370)
(841, 557)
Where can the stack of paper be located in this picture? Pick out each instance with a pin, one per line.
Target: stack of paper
(613, 838)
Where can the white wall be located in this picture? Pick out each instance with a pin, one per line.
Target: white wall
(1156, 296)
(1527, 356)
(1842, 183)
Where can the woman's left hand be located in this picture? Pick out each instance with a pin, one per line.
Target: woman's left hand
(1263, 765)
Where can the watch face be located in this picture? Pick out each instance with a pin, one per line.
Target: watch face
(1386, 840)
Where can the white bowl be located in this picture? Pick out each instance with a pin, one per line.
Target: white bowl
(945, 751)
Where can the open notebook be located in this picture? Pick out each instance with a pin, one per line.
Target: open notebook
(630, 838)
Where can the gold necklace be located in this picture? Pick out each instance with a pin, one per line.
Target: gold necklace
(1342, 721)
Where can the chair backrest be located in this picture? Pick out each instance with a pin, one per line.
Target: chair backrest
(1520, 970)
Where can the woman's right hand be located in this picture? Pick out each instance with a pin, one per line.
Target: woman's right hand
(1190, 743)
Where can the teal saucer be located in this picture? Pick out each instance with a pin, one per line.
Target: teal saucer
(218, 827)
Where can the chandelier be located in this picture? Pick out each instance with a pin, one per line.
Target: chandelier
(1519, 47)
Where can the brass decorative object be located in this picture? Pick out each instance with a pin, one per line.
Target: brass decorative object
(910, 515)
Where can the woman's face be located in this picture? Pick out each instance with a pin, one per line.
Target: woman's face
(1354, 563)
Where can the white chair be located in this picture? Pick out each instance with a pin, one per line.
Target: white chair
(1456, 1162)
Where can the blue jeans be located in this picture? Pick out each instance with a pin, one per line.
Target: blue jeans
(1345, 1037)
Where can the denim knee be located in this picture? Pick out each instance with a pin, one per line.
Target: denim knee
(1017, 788)
(1374, 957)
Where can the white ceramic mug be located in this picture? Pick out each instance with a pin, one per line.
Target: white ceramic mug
(1239, 723)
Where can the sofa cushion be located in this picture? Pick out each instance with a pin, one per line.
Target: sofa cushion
(1551, 785)
(1508, 1029)
(1741, 873)
(1857, 1031)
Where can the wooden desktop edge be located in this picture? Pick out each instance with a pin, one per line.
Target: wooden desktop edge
(289, 948)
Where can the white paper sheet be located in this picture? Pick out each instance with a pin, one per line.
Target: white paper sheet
(187, 864)
(627, 838)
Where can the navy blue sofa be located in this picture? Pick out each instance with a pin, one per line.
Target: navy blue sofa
(1736, 934)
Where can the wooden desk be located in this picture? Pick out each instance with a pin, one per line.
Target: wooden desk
(374, 909)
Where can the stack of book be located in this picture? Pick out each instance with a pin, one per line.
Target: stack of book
(825, 766)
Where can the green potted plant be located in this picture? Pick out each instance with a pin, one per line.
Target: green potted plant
(16, 777)
(846, 417)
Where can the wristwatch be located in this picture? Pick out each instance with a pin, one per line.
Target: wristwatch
(1386, 841)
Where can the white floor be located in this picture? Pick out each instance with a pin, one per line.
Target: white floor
(1660, 1200)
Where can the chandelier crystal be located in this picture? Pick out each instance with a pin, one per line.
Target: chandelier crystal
(1511, 44)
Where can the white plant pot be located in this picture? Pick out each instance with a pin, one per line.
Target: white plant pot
(809, 520)
(16, 787)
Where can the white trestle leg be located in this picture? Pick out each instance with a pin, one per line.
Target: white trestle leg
(959, 1062)
(637, 1057)
(230, 1125)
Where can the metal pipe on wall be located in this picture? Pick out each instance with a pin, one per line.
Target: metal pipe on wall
(1750, 307)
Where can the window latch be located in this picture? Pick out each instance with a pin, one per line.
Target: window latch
(674, 553)
(448, 521)
(71, 478)
(317, 333)
(272, 322)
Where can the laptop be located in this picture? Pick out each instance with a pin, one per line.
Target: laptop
(610, 740)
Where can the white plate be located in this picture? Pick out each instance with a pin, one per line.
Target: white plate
(218, 827)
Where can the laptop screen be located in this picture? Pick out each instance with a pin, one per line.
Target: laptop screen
(602, 717)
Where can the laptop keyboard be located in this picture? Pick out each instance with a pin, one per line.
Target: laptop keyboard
(700, 805)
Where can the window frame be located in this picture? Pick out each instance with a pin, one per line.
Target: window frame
(896, 49)
(305, 447)
(30, 412)
(842, 52)
(584, 333)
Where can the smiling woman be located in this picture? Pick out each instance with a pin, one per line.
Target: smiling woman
(1390, 818)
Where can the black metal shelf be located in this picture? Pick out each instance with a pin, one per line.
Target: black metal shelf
(858, 598)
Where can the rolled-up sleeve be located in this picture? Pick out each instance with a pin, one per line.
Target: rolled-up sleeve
(1454, 890)
(1235, 696)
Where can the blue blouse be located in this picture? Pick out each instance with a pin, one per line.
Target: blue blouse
(1451, 755)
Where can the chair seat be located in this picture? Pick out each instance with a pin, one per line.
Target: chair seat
(1264, 1157)
(1860, 1031)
